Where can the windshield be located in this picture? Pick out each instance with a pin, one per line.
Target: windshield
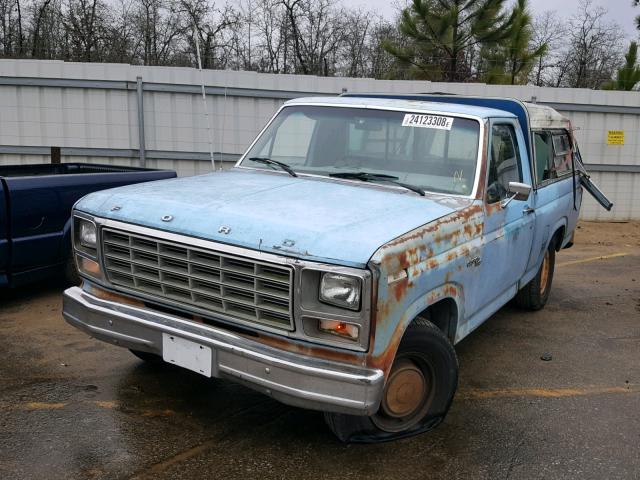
(431, 152)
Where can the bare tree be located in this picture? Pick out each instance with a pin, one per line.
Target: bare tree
(594, 50)
(37, 19)
(355, 48)
(83, 22)
(317, 31)
(159, 24)
(122, 34)
(8, 24)
(213, 28)
(274, 33)
(548, 29)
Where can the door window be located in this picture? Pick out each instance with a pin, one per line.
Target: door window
(504, 164)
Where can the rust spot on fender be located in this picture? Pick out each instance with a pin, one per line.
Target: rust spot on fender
(420, 233)
(399, 289)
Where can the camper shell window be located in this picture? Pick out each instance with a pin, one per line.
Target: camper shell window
(553, 155)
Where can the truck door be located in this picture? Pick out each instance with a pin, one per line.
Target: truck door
(4, 231)
(508, 226)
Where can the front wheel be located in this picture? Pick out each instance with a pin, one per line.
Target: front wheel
(534, 295)
(417, 394)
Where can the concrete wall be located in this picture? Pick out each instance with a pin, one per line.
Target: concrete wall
(92, 112)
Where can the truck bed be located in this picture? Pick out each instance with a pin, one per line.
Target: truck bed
(35, 212)
(63, 169)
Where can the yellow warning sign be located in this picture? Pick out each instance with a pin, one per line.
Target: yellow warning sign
(615, 137)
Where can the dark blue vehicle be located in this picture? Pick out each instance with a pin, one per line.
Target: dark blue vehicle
(35, 213)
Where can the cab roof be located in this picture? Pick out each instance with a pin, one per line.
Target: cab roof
(530, 115)
(405, 104)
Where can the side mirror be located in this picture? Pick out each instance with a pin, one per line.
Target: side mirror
(518, 191)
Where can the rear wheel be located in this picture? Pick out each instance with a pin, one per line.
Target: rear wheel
(417, 393)
(534, 295)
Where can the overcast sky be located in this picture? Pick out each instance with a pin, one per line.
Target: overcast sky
(619, 11)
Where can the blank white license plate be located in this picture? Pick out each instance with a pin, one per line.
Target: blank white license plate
(187, 354)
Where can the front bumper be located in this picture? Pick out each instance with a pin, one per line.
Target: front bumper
(291, 378)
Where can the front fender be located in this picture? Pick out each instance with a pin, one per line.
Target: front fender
(418, 270)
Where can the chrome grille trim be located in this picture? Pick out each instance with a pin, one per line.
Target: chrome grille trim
(241, 288)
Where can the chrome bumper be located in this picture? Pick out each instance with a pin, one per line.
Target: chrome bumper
(291, 378)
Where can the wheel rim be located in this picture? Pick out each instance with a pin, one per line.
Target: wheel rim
(407, 396)
(544, 273)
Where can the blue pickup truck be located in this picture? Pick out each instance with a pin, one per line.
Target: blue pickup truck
(336, 266)
(35, 214)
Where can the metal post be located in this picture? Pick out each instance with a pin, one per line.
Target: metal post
(55, 155)
(141, 142)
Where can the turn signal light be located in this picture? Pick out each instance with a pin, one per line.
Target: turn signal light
(342, 329)
(89, 267)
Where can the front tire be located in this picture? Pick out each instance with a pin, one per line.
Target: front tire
(534, 295)
(417, 394)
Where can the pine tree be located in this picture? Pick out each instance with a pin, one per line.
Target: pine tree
(629, 75)
(441, 35)
(511, 61)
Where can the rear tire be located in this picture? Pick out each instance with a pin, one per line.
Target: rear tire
(418, 390)
(150, 358)
(534, 295)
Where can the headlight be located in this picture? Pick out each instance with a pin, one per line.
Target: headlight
(88, 235)
(340, 290)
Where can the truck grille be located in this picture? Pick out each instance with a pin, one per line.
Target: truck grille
(238, 287)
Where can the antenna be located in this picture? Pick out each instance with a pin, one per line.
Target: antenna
(224, 113)
(204, 96)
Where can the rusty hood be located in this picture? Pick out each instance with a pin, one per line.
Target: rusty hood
(310, 218)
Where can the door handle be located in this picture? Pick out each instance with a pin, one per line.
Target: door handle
(528, 210)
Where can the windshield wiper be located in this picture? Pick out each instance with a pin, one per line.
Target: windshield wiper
(268, 161)
(377, 177)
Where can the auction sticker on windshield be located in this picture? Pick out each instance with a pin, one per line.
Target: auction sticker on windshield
(427, 121)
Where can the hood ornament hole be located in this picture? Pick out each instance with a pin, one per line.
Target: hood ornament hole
(167, 218)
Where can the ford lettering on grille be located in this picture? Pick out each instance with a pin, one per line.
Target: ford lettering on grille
(236, 287)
